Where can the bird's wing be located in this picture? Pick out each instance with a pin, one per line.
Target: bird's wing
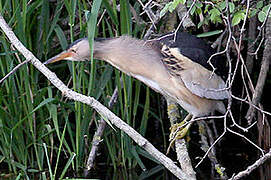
(196, 50)
(198, 79)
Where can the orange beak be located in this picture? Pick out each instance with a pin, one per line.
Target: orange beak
(62, 56)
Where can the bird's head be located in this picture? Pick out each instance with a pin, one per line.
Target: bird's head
(77, 51)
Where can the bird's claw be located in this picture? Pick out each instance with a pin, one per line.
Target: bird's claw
(178, 131)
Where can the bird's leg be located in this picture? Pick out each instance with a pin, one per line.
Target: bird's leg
(179, 130)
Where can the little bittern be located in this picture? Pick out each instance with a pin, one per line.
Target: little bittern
(175, 66)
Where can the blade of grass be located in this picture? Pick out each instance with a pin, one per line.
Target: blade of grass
(48, 161)
(136, 100)
(105, 77)
(92, 24)
(111, 151)
(137, 158)
(67, 165)
(60, 146)
(125, 17)
(210, 33)
(19, 176)
(144, 120)
(31, 113)
(146, 154)
(61, 37)
(147, 174)
(55, 20)
(111, 12)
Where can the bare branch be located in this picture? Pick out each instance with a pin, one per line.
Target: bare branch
(97, 138)
(238, 134)
(184, 17)
(261, 33)
(182, 12)
(206, 136)
(250, 168)
(215, 142)
(149, 12)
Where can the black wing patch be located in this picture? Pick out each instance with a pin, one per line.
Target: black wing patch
(197, 50)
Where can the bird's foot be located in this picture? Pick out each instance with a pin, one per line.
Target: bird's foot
(178, 131)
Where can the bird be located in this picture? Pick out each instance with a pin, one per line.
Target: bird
(176, 65)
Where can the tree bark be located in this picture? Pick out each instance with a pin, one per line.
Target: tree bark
(263, 73)
(180, 144)
(251, 36)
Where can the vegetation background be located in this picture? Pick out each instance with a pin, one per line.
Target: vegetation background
(44, 135)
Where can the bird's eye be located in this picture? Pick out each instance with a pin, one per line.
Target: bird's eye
(72, 50)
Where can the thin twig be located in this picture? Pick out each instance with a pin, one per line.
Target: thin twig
(215, 142)
(250, 168)
(14, 70)
(205, 131)
(241, 135)
(256, 107)
(97, 138)
(261, 33)
(187, 22)
(149, 13)
(186, 15)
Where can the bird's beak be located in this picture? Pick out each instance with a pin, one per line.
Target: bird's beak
(65, 55)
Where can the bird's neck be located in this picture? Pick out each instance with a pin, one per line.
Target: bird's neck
(129, 55)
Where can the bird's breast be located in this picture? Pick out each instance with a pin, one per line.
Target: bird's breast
(152, 84)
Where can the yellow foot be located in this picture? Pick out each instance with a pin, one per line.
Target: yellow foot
(179, 130)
